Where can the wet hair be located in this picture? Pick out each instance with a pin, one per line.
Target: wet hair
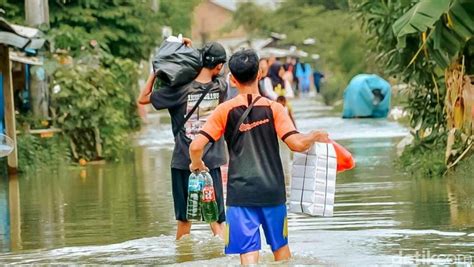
(244, 66)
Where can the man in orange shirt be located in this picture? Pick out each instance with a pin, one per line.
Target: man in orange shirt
(251, 126)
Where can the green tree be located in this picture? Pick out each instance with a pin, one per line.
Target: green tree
(424, 44)
(124, 28)
(251, 17)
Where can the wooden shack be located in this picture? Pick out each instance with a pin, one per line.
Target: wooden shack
(20, 38)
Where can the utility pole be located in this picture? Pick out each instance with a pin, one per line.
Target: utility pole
(155, 5)
(37, 15)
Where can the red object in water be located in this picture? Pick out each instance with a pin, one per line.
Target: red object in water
(345, 161)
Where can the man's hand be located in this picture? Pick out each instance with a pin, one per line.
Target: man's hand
(320, 136)
(187, 42)
(198, 166)
(302, 142)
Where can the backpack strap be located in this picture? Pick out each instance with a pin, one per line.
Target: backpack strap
(188, 116)
(235, 134)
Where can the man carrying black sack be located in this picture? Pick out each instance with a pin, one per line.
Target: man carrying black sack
(189, 106)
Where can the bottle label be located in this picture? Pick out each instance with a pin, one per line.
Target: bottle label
(194, 185)
(208, 194)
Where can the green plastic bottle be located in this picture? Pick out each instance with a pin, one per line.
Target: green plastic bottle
(210, 212)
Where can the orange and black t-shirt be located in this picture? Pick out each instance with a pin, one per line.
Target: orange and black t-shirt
(255, 170)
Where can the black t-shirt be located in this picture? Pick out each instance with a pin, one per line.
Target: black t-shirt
(179, 101)
(255, 175)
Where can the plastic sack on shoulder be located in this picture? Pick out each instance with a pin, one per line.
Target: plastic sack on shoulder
(176, 64)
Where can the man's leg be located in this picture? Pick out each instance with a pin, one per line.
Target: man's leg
(218, 227)
(249, 258)
(275, 227)
(184, 228)
(179, 182)
(282, 253)
(243, 233)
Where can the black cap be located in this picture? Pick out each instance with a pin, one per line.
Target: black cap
(212, 54)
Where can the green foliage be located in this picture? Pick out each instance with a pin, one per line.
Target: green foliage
(426, 90)
(35, 152)
(464, 169)
(117, 25)
(251, 17)
(127, 74)
(178, 15)
(94, 107)
(419, 18)
(13, 10)
(124, 28)
(425, 157)
(328, 4)
(415, 41)
(447, 35)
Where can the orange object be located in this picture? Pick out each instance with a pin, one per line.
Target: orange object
(47, 135)
(82, 162)
(345, 161)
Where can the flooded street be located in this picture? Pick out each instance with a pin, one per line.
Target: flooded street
(122, 213)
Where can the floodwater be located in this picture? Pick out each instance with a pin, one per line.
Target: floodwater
(123, 214)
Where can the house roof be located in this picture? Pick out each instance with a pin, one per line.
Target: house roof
(20, 36)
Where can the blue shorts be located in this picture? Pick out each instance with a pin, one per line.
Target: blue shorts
(243, 228)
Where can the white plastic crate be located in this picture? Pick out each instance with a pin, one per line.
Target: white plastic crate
(313, 182)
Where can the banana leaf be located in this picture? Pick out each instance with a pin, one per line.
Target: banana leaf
(419, 18)
(462, 17)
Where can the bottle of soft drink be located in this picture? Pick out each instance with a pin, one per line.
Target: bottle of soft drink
(194, 197)
(210, 212)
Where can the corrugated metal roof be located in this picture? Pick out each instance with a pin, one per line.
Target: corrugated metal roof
(20, 36)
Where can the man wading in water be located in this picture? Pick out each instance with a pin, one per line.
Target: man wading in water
(180, 101)
(256, 193)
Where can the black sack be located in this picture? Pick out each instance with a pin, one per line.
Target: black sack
(176, 64)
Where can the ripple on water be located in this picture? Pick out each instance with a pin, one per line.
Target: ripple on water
(380, 212)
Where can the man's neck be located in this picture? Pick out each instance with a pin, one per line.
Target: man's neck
(250, 89)
(204, 76)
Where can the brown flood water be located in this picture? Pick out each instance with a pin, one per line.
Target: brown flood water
(122, 213)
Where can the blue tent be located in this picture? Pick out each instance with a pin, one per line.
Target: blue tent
(367, 96)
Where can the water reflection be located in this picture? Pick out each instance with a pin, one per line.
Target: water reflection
(10, 217)
(4, 216)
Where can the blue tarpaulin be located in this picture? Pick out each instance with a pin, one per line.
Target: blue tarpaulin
(360, 100)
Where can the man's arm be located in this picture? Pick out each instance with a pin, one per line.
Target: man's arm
(301, 142)
(196, 149)
(145, 93)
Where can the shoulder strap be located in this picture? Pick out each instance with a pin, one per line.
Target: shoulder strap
(235, 134)
(188, 116)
